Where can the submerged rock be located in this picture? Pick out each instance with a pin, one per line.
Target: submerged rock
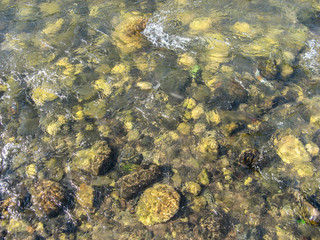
(17, 227)
(138, 180)
(293, 153)
(129, 159)
(184, 128)
(85, 196)
(208, 145)
(47, 196)
(193, 188)
(308, 211)
(158, 204)
(127, 34)
(198, 203)
(229, 95)
(94, 160)
(203, 177)
(95, 109)
(40, 96)
(53, 28)
(268, 69)
(209, 226)
(129, 155)
(249, 158)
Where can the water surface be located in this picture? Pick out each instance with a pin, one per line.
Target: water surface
(225, 88)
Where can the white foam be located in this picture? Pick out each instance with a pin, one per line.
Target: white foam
(7, 149)
(311, 58)
(161, 33)
(156, 34)
(5, 153)
(41, 76)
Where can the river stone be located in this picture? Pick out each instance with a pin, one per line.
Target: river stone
(85, 196)
(228, 96)
(138, 180)
(158, 204)
(268, 69)
(308, 208)
(129, 155)
(249, 158)
(47, 196)
(193, 188)
(94, 160)
(310, 213)
(209, 225)
(292, 152)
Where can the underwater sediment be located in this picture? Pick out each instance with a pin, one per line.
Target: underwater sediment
(171, 119)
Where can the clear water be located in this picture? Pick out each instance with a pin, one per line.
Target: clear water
(187, 85)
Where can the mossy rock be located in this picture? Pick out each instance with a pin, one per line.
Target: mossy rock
(94, 160)
(136, 181)
(249, 158)
(268, 69)
(158, 204)
(47, 197)
(193, 188)
(127, 34)
(203, 177)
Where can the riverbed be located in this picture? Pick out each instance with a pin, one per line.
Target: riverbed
(176, 119)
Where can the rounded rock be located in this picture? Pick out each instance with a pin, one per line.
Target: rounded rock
(158, 204)
(268, 69)
(193, 188)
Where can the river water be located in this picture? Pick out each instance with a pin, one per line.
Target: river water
(216, 101)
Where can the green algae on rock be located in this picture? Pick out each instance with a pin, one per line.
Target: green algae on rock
(210, 225)
(208, 145)
(18, 226)
(53, 169)
(158, 204)
(55, 125)
(129, 159)
(198, 203)
(268, 69)
(310, 213)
